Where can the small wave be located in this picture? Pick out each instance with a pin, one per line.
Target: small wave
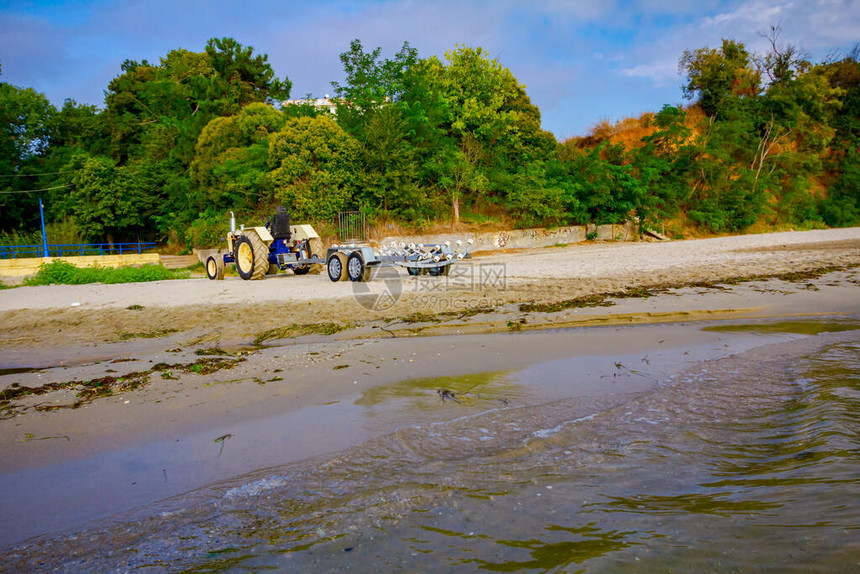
(256, 488)
(545, 433)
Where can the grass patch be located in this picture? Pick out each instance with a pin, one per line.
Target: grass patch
(596, 300)
(155, 334)
(198, 267)
(329, 328)
(211, 351)
(474, 217)
(59, 272)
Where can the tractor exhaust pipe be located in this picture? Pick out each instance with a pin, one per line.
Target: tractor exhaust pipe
(232, 223)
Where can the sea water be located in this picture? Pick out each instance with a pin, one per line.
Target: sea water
(749, 462)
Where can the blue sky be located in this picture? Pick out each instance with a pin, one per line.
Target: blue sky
(581, 61)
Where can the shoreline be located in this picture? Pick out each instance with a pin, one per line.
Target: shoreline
(82, 481)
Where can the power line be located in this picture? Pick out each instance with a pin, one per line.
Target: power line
(34, 190)
(37, 174)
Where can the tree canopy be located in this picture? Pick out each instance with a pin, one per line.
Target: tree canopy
(767, 139)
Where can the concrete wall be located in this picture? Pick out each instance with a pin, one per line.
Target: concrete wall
(525, 238)
(29, 266)
(203, 254)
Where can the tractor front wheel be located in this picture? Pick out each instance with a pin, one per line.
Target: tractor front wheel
(252, 257)
(310, 248)
(215, 267)
(304, 268)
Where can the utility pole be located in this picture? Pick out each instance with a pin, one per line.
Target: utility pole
(44, 235)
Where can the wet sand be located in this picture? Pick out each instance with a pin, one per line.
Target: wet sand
(299, 398)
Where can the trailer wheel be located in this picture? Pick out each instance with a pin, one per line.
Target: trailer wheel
(252, 257)
(215, 268)
(413, 271)
(336, 267)
(438, 271)
(356, 269)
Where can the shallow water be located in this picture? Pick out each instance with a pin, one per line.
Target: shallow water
(745, 463)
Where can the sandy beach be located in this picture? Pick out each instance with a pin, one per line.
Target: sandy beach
(213, 379)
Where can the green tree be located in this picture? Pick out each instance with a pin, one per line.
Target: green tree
(371, 82)
(105, 200)
(156, 113)
(313, 167)
(370, 106)
(841, 207)
(728, 192)
(539, 196)
(26, 118)
(490, 122)
(230, 167)
(664, 165)
(389, 182)
(248, 78)
(714, 75)
(611, 192)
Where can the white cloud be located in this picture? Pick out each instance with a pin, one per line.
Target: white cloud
(661, 73)
(760, 13)
(814, 27)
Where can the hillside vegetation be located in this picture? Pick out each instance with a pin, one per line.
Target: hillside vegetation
(766, 141)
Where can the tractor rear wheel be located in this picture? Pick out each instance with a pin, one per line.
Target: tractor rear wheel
(215, 267)
(252, 257)
(315, 249)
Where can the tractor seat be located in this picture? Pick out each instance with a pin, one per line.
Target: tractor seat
(281, 224)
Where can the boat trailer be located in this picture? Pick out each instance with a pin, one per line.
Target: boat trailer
(354, 262)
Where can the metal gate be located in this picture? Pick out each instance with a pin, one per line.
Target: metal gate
(352, 227)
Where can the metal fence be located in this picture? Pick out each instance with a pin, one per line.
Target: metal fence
(352, 227)
(80, 249)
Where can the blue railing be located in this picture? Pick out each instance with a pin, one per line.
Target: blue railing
(80, 249)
